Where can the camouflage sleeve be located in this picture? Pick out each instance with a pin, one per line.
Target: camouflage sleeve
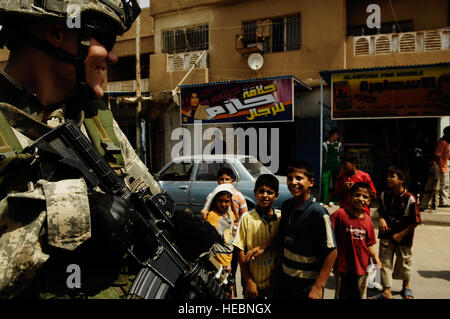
(68, 214)
(58, 209)
(21, 254)
(134, 166)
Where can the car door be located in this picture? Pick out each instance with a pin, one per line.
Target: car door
(204, 182)
(176, 180)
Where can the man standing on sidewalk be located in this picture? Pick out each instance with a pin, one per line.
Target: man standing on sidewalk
(442, 153)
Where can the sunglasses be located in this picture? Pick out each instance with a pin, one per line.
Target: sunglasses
(106, 36)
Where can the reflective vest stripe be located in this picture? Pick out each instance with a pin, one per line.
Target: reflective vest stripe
(299, 258)
(303, 274)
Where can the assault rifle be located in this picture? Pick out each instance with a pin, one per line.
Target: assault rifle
(67, 149)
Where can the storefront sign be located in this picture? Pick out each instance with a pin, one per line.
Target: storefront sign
(238, 102)
(393, 93)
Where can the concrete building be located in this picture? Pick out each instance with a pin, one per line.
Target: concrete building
(298, 38)
(295, 38)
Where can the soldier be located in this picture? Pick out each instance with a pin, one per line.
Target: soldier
(56, 237)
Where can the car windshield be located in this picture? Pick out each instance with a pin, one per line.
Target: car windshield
(256, 168)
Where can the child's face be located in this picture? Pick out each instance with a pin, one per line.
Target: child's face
(225, 179)
(298, 183)
(393, 180)
(265, 196)
(348, 166)
(360, 199)
(334, 137)
(223, 202)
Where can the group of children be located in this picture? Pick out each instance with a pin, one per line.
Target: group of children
(290, 252)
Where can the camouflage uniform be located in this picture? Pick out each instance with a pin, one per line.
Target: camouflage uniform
(54, 217)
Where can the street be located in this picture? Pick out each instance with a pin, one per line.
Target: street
(431, 271)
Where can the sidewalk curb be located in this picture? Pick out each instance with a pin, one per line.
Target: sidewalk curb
(440, 218)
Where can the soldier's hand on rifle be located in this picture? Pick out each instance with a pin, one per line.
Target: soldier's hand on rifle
(110, 221)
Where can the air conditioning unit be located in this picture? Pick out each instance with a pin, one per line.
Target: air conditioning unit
(185, 60)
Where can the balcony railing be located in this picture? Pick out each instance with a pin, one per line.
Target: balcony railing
(418, 41)
(127, 86)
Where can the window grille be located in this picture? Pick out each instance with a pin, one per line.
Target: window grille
(277, 34)
(187, 39)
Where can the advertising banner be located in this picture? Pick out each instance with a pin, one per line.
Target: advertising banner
(393, 93)
(250, 101)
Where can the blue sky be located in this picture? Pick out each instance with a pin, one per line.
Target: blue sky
(144, 3)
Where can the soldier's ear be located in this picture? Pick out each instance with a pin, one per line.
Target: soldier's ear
(55, 34)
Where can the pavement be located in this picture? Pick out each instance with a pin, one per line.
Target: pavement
(440, 216)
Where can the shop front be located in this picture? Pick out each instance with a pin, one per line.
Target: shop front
(390, 115)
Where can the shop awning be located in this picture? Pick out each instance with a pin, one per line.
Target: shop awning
(299, 84)
(153, 104)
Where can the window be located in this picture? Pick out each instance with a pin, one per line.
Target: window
(125, 68)
(177, 172)
(277, 34)
(185, 39)
(256, 169)
(208, 171)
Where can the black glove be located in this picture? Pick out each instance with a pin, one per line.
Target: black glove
(110, 222)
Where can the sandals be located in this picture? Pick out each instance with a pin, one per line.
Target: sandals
(407, 292)
(379, 297)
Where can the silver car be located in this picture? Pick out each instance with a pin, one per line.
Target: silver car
(189, 179)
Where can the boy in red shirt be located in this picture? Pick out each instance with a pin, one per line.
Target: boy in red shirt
(350, 175)
(355, 238)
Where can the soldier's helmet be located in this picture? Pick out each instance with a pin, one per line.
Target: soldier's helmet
(122, 13)
(99, 19)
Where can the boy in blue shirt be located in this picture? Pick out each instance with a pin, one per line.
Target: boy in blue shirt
(307, 239)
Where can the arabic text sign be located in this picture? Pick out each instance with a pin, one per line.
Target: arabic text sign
(238, 102)
(414, 92)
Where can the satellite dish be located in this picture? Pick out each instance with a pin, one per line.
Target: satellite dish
(255, 61)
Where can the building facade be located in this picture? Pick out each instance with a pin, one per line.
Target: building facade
(300, 38)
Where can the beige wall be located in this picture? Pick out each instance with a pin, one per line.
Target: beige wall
(427, 15)
(322, 44)
(159, 7)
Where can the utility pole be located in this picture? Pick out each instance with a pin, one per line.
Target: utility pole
(138, 87)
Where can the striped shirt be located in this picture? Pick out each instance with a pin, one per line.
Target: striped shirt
(443, 154)
(254, 231)
(239, 203)
(307, 233)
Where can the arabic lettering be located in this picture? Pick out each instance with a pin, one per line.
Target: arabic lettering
(258, 90)
(235, 105)
(266, 111)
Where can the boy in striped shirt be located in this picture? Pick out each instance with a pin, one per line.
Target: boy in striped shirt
(256, 228)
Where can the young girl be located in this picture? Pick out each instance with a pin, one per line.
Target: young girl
(221, 216)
